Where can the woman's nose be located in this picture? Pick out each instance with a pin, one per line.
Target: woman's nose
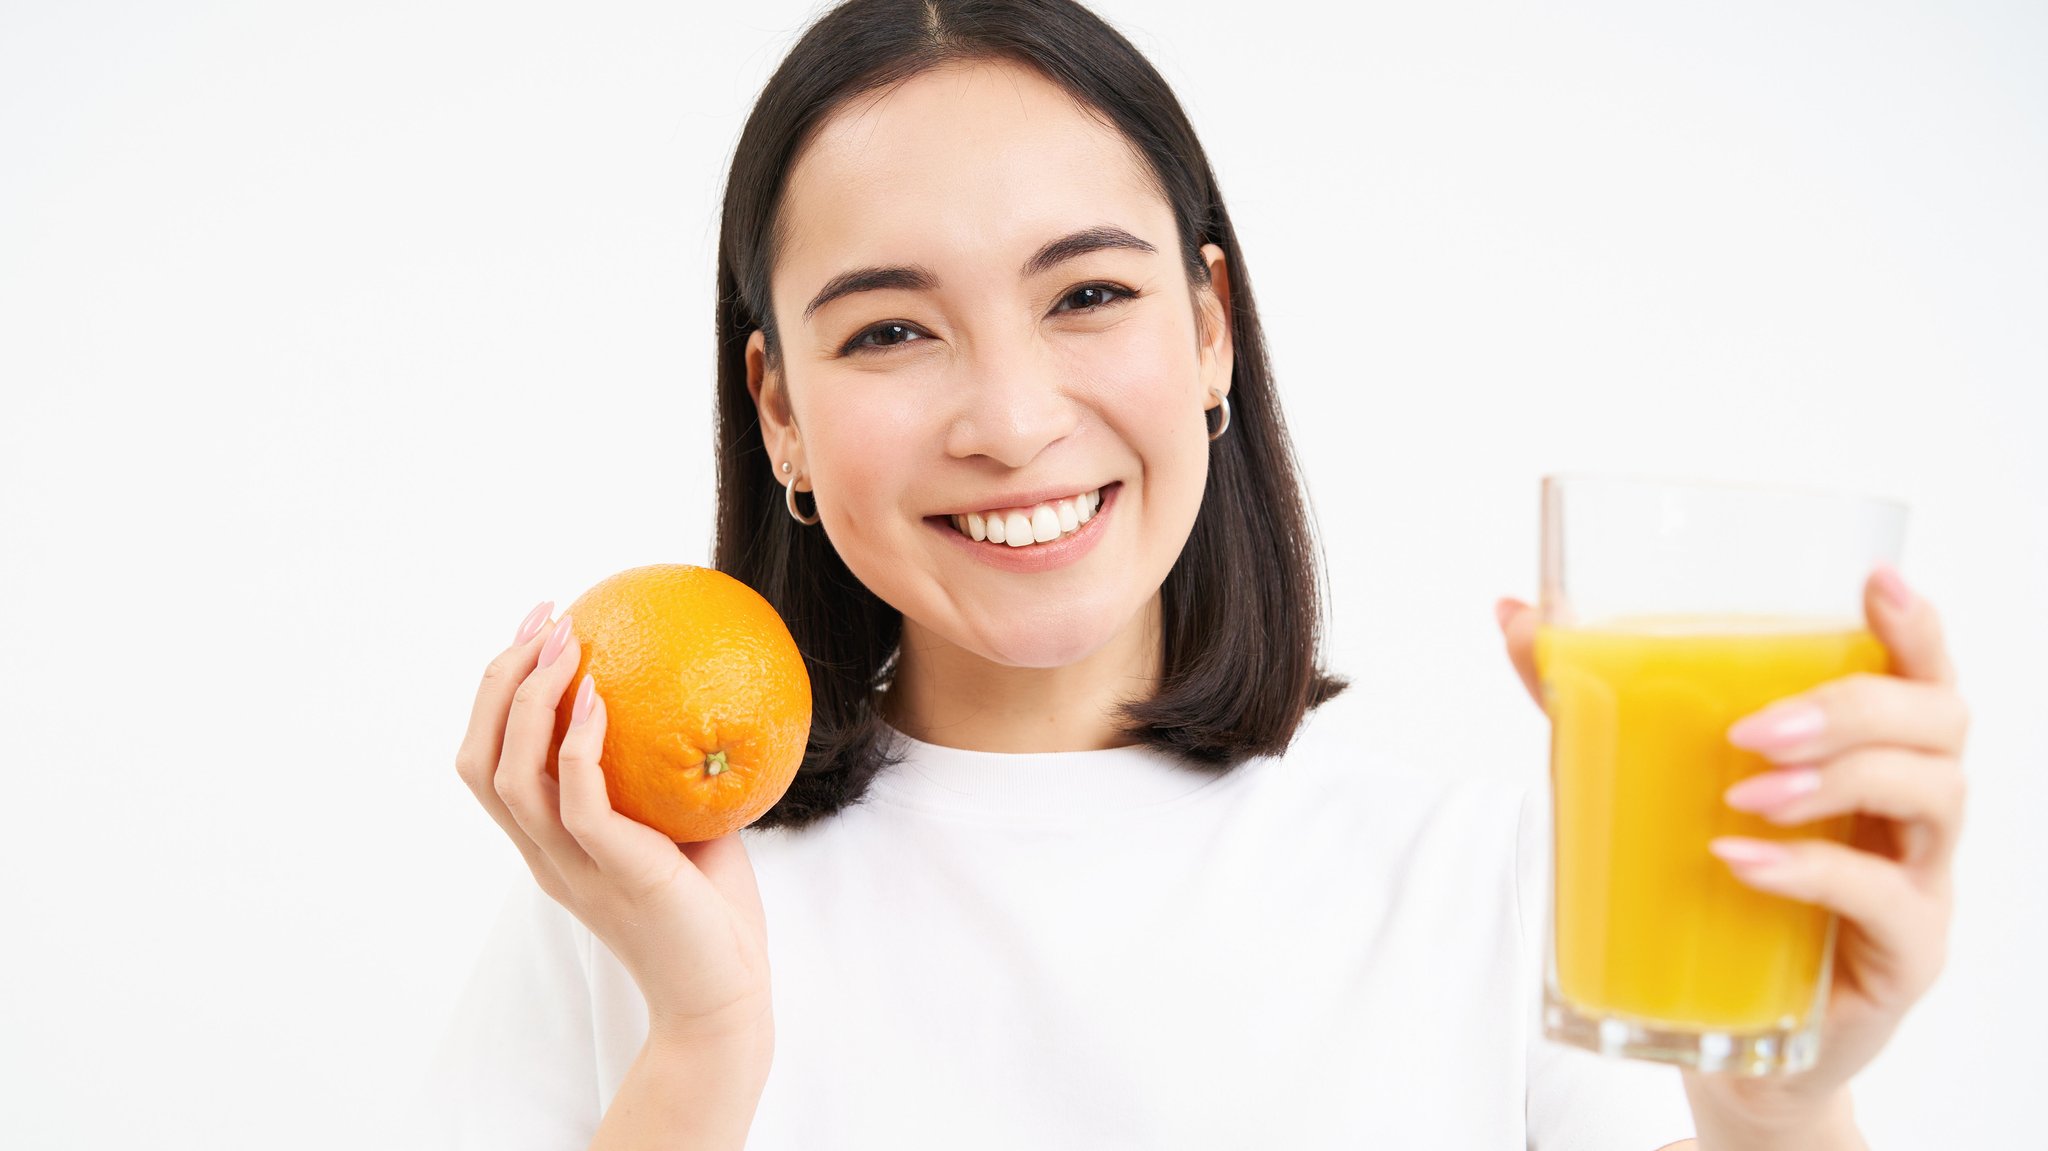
(1012, 404)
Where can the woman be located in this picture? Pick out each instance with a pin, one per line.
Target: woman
(1081, 854)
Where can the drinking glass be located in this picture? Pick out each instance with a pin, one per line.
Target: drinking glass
(1670, 609)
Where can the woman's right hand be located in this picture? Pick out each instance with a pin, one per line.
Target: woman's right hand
(685, 919)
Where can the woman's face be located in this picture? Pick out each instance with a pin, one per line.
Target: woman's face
(981, 305)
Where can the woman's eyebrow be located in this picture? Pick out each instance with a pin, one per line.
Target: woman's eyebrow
(908, 277)
(1080, 244)
(917, 278)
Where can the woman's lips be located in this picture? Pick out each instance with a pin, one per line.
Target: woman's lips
(1038, 556)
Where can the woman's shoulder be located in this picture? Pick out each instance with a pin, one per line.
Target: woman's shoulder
(1344, 748)
(1337, 779)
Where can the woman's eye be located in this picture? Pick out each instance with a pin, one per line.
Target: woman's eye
(884, 336)
(1092, 296)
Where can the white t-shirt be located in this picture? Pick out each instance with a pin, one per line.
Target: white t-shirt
(1103, 950)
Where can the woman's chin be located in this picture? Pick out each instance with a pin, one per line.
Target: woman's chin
(1060, 645)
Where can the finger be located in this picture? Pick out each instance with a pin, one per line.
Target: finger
(619, 845)
(1874, 892)
(1853, 711)
(476, 760)
(1894, 782)
(1518, 629)
(478, 754)
(530, 794)
(1909, 627)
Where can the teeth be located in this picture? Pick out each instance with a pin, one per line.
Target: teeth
(1046, 522)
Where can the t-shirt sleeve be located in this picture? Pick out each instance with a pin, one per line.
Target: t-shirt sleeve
(1579, 1100)
(517, 1068)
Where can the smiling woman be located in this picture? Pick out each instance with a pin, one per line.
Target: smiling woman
(953, 286)
(1079, 854)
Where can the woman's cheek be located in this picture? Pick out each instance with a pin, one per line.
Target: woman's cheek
(856, 441)
(855, 411)
(1138, 362)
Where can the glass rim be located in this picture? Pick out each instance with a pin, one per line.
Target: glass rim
(1654, 480)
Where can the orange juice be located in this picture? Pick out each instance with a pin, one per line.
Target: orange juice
(1648, 924)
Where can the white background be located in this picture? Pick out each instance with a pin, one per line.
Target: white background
(333, 336)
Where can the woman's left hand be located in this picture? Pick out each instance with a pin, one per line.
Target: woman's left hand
(1887, 748)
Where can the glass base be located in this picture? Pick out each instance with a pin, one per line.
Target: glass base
(1768, 1052)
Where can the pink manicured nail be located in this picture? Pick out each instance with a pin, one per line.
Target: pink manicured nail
(1779, 725)
(532, 622)
(557, 640)
(585, 696)
(1773, 789)
(1502, 609)
(1893, 587)
(1742, 852)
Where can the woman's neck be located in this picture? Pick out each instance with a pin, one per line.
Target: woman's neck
(947, 695)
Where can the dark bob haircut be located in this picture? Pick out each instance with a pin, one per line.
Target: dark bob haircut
(1240, 607)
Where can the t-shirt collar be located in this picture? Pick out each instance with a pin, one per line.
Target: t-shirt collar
(934, 777)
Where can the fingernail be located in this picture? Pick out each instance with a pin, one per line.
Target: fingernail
(1741, 852)
(532, 622)
(585, 695)
(1777, 726)
(1773, 789)
(1893, 587)
(557, 640)
(1502, 609)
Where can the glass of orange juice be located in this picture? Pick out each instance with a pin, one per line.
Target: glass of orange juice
(1669, 610)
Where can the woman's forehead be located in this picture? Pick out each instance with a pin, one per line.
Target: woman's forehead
(989, 158)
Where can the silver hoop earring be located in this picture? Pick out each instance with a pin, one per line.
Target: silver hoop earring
(1225, 422)
(789, 500)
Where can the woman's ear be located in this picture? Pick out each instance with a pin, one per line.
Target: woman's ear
(1212, 328)
(771, 401)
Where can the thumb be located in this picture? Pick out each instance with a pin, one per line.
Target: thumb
(1518, 630)
(1908, 626)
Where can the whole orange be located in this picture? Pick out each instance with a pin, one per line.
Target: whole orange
(707, 704)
